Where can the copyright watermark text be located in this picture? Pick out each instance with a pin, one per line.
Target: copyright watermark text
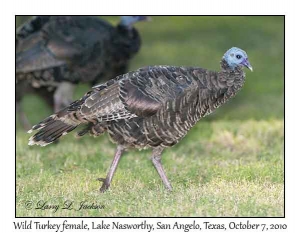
(66, 205)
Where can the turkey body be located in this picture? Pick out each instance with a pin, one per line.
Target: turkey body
(52, 51)
(151, 107)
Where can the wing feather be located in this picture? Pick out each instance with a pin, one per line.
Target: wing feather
(137, 94)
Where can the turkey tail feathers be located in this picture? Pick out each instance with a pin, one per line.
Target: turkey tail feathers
(49, 130)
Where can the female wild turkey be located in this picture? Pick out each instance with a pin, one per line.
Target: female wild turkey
(54, 52)
(151, 107)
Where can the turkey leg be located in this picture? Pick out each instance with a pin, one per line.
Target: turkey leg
(63, 95)
(156, 160)
(112, 169)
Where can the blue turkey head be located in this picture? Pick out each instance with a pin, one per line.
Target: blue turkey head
(128, 21)
(237, 57)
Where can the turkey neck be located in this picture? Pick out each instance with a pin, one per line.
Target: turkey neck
(234, 78)
(215, 88)
(226, 80)
(126, 41)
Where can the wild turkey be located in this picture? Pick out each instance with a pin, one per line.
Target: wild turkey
(151, 107)
(55, 52)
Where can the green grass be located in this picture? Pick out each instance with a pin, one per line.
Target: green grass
(229, 164)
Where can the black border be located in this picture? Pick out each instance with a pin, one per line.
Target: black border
(284, 206)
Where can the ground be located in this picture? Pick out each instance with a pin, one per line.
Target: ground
(230, 164)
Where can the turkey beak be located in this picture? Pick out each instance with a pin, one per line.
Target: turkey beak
(247, 64)
(250, 67)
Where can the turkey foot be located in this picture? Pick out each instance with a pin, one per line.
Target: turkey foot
(104, 186)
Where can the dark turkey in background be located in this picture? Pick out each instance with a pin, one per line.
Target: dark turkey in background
(53, 53)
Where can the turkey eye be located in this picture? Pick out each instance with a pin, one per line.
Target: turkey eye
(238, 56)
